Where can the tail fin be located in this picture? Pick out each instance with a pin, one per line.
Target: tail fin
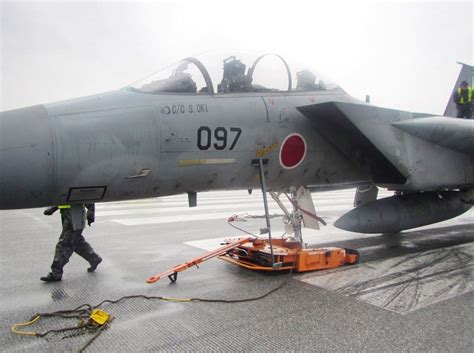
(467, 71)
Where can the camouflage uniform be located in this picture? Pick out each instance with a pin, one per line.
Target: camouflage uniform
(71, 241)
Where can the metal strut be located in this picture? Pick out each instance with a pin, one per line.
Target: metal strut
(294, 217)
(265, 204)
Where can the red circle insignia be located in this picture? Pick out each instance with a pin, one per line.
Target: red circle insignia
(292, 151)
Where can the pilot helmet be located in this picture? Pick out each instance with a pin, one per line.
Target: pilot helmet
(305, 77)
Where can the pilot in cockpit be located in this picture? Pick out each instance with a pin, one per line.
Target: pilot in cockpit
(179, 82)
(306, 81)
(234, 78)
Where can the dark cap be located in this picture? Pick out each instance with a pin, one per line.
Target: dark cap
(464, 83)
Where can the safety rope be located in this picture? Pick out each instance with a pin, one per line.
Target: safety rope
(93, 338)
(83, 313)
(31, 322)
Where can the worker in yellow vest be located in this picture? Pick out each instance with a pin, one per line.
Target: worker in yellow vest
(463, 99)
(73, 219)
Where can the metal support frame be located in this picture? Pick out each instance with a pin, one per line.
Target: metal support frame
(260, 163)
(296, 217)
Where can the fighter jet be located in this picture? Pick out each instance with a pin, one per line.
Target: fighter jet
(188, 130)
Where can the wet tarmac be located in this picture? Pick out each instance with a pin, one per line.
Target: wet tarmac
(410, 292)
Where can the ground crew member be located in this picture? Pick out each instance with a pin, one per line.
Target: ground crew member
(463, 99)
(71, 239)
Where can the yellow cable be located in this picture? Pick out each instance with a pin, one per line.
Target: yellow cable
(29, 333)
(177, 300)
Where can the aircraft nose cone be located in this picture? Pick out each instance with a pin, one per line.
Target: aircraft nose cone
(26, 152)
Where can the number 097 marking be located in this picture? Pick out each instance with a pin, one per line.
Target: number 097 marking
(218, 138)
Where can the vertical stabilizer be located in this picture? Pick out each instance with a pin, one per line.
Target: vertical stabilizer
(465, 75)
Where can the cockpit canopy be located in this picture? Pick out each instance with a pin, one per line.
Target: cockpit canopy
(268, 73)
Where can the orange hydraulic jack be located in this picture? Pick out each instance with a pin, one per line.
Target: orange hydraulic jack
(288, 255)
(255, 254)
(273, 254)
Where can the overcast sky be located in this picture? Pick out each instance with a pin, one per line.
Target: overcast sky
(401, 53)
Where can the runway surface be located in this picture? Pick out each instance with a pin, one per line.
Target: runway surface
(410, 291)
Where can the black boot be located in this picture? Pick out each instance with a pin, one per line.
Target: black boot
(94, 264)
(51, 277)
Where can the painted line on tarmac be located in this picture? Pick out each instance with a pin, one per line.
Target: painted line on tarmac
(183, 213)
(236, 200)
(315, 240)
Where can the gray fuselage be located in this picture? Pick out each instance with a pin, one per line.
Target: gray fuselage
(128, 145)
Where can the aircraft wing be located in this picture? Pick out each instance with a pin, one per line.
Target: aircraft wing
(344, 126)
(373, 137)
(455, 134)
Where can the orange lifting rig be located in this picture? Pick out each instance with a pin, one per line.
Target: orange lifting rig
(273, 254)
(256, 254)
(287, 255)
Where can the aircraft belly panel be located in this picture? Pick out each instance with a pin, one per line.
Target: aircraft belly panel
(106, 155)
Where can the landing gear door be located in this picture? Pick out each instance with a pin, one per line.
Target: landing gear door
(306, 207)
